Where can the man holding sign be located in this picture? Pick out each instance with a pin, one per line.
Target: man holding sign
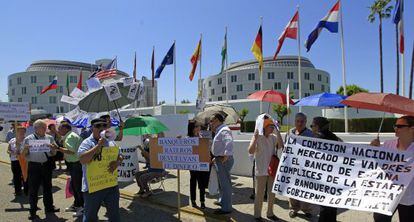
(38, 148)
(93, 152)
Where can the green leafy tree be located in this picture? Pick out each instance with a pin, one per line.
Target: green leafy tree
(281, 111)
(351, 90)
(184, 111)
(380, 9)
(184, 101)
(242, 114)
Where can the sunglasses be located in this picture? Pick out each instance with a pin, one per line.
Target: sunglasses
(100, 125)
(399, 126)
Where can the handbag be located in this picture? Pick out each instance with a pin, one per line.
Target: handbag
(273, 165)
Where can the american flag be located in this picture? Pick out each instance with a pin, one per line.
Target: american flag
(106, 72)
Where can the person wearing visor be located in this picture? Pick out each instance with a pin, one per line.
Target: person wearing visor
(88, 149)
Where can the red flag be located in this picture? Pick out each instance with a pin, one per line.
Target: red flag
(79, 86)
(194, 60)
(152, 66)
(134, 73)
(291, 31)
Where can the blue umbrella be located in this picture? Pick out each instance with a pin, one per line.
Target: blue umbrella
(322, 100)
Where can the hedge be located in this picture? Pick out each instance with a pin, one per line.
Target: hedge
(337, 125)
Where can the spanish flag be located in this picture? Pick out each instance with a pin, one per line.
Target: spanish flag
(194, 59)
(257, 48)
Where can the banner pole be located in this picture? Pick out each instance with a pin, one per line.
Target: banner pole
(261, 69)
(226, 73)
(299, 64)
(343, 68)
(175, 80)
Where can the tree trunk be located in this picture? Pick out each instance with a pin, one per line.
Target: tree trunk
(398, 60)
(411, 75)
(380, 43)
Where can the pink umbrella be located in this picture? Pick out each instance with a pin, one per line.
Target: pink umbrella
(270, 96)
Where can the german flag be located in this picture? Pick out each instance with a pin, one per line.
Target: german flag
(257, 48)
(194, 59)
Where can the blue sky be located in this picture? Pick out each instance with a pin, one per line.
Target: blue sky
(89, 30)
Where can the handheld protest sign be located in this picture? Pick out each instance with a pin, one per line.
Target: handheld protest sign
(97, 173)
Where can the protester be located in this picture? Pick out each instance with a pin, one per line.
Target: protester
(86, 132)
(14, 150)
(58, 140)
(145, 176)
(404, 131)
(11, 133)
(89, 148)
(71, 142)
(264, 147)
(320, 129)
(40, 170)
(120, 135)
(197, 177)
(222, 149)
(296, 205)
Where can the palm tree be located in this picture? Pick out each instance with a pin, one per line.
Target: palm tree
(381, 9)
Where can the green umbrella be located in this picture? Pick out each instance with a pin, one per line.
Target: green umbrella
(142, 125)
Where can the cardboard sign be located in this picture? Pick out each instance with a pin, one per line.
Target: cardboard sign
(128, 167)
(343, 175)
(112, 91)
(39, 146)
(141, 91)
(97, 173)
(133, 89)
(14, 111)
(183, 154)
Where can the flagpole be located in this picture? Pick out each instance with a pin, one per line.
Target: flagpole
(343, 68)
(135, 78)
(201, 50)
(226, 66)
(261, 69)
(175, 80)
(153, 84)
(299, 63)
(403, 53)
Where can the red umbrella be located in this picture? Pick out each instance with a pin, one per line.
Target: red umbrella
(385, 102)
(270, 96)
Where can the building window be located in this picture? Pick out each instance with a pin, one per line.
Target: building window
(307, 94)
(278, 85)
(33, 79)
(233, 78)
(212, 92)
(73, 79)
(323, 88)
(220, 98)
(257, 86)
(251, 76)
(209, 83)
(51, 78)
(13, 92)
(52, 100)
(239, 88)
(219, 81)
(39, 89)
(311, 86)
(319, 77)
(11, 100)
(327, 79)
(24, 91)
(10, 82)
(296, 85)
(19, 80)
(19, 100)
(234, 97)
(270, 75)
(210, 100)
(290, 75)
(306, 75)
(57, 109)
(59, 89)
(34, 100)
(223, 90)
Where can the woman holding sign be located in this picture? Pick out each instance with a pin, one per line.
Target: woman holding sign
(264, 147)
(14, 150)
(320, 129)
(404, 131)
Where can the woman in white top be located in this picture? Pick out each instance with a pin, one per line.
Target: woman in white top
(14, 150)
(264, 147)
(404, 131)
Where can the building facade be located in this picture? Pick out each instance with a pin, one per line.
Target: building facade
(26, 86)
(244, 78)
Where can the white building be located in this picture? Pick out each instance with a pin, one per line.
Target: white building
(26, 86)
(244, 78)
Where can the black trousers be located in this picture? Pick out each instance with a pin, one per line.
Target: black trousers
(406, 214)
(200, 177)
(18, 177)
(327, 214)
(75, 172)
(40, 174)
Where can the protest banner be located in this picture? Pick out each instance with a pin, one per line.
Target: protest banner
(97, 173)
(133, 89)
(93, 84)
(343, 175)
(69, 100)
(128, 81)
(180, 153)
(128, 167)
(39, 146)
(11, 111)
(78, 93)
(112, 91)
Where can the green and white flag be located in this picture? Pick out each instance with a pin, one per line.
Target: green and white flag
(224, 52)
